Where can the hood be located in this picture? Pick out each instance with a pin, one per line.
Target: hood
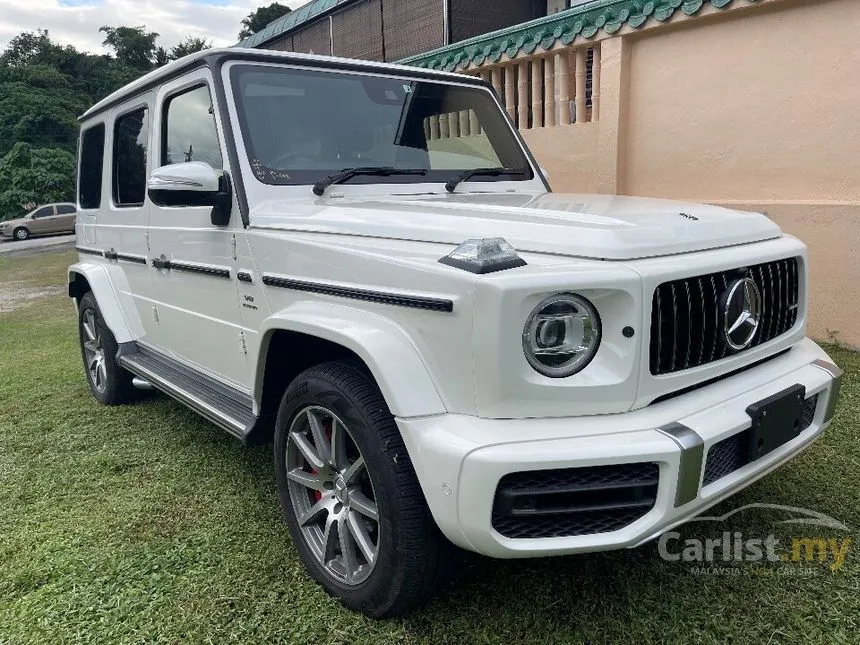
(591, 226)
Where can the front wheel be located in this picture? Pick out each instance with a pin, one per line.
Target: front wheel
(350, 497)
(22, 234)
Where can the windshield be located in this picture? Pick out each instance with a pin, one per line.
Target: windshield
(301, 126)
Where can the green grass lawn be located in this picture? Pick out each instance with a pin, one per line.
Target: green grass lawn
(147, 524)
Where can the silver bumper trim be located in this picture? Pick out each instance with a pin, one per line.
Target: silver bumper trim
(692, 458)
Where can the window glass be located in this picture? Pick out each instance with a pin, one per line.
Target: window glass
(301, 125)
(65, 209)
(130, 140)
(91, 163)
(45, 211)
(189, 131)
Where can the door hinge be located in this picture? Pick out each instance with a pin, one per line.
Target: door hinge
(146, 235)
(242, 343)
(155, 314)
(234, 246)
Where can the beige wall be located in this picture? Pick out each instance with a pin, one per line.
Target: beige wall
(756, 109)
(568, 154)
(759, 105)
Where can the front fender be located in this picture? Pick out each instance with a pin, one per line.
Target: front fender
(384, 346)
(99, 283)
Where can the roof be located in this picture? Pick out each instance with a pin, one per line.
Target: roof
(305, 13)
(211, 57)
(583, 21)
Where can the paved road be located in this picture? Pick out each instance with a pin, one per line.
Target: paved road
(34, 245)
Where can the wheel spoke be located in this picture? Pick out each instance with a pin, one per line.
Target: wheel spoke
(90, 346)
(307, 450)
(320, 439)
(314, 512)
(89, 326)
(92, 363)
(360, 503)
(347, 548)
(308, 480)
(102, 372)
(362, 539)
(350, 473)
(338, 445)
(329, 539)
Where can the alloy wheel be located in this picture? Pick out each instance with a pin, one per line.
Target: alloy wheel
(94, 351)
(332, 495)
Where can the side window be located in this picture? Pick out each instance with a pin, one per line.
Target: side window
(130, 140)
(65, 209)
(45, 211)
(189, 132)
(91, 164)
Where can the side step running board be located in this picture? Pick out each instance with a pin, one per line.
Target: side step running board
(219, 403)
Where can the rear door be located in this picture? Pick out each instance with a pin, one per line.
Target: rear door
(66, 218)
(121, 230)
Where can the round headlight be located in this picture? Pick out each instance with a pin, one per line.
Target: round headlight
(561, 335)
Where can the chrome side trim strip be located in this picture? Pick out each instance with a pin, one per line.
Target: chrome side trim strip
(833, 397)
(692, 458)
(397, 299)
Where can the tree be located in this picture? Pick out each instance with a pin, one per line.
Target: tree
(257, 20)
(40, 106)
(133, 46)
(35, 176)
(189, 46)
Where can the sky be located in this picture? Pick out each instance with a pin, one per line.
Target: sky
(77, 22)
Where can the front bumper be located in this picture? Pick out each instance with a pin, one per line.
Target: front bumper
(460, 459)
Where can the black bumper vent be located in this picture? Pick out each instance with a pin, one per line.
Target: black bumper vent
(688, 321)
(574, 501)
(731, 453)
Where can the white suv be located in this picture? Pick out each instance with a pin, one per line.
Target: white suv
(364, 263)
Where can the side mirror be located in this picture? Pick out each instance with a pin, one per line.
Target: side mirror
(195, 183)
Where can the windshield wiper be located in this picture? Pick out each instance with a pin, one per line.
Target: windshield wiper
(466, 175)
(349, 173)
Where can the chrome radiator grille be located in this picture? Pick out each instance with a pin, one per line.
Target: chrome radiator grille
(688, 315)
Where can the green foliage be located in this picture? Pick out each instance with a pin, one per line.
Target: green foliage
(261, 17)
(189, 46)
(44, 88)
(31, 176)
(134, 46)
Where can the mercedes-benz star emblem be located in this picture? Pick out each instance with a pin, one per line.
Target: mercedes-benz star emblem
(742, 314)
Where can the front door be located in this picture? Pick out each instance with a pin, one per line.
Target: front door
(42, 221)
(195, 287)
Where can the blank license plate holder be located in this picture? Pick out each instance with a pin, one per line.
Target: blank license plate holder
(775, 420)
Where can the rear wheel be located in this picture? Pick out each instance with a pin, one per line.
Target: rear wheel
(109, 382)
(350, 496)
(22, 234)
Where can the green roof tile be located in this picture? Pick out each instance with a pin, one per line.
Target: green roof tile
(581, 22)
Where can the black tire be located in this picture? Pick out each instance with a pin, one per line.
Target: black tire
(113, 385)
(21, 234)
(414, 560)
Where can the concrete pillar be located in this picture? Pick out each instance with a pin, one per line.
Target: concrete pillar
(612, 127)
(510, 91)
(595, 85)
(562, 81)
(549, 91)
(537, 94)
(523, 98)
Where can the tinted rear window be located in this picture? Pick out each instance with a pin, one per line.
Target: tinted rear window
(130, 140)
(91, 165)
